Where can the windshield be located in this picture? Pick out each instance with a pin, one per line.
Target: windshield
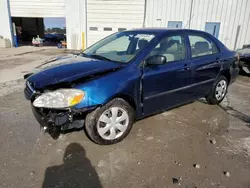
(120, 47)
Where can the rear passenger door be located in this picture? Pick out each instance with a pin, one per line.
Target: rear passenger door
(205, 59)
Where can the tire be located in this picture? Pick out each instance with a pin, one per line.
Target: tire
(213, 98)
(94, 124)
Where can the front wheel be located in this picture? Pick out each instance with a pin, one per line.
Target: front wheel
(218, 92)
(111, 123)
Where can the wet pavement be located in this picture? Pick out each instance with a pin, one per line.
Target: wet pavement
(196, 145)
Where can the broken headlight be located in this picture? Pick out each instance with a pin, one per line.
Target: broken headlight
(61, 98)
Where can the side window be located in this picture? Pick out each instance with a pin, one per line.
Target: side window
(173, 48)
(143, 41)
(200, 46)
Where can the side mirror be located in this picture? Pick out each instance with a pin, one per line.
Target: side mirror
(156, 60)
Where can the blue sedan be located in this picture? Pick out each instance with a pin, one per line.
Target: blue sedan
(127, 76)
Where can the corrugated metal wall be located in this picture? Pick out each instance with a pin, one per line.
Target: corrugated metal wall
(230, 14)
(108, 16)
(37, 8)
(75, 14)
(105, 17)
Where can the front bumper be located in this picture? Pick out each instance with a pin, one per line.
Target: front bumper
(48, 118)
(245, 66)
(57, 121)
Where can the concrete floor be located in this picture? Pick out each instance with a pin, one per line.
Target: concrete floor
(160, 151)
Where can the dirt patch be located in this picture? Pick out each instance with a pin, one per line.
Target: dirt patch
(12, 86)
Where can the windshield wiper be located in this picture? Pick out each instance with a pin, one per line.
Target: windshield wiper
(99, 57)
(83, 54)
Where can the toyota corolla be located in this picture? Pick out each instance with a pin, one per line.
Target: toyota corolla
(128, 76)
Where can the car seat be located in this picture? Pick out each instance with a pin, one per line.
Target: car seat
(200, 49)
(142, 44)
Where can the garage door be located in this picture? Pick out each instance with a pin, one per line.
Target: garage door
(105, 17)
(37, 8)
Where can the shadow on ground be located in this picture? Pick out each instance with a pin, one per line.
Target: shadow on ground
(76, 171)
(231, 111)
(235, 113)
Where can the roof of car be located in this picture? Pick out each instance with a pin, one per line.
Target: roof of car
(164, 30)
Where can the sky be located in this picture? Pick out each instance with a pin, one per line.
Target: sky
(54, 22)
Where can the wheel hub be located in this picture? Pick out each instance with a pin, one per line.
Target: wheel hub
(221, 90)
(113, 123)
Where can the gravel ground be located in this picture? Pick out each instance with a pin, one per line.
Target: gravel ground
(196, 145)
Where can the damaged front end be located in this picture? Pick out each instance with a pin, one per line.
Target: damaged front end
(57, 102)
(59, 121)
(56, 117)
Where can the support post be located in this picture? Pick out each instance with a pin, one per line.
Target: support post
(5, 20)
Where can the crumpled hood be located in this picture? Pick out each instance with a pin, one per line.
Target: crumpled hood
(67, 69)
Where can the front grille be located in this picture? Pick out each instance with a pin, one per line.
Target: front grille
(29, 91)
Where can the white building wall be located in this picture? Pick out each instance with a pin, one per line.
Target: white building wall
(230, 14)
(75, 14)
(112, 14)
(5, 28)
(159, 12)
(37, 8)
(81, 15)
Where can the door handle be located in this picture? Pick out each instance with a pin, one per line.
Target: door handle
(185, 67)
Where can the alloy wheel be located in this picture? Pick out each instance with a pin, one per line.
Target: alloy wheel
(221, 90)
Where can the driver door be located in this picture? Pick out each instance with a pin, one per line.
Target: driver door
(167, 85)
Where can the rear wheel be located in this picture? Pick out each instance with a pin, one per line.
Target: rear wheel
(218, 91)
(111, 123)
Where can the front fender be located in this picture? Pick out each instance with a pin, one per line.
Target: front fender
(101, 90)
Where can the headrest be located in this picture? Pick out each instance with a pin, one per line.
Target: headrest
(201, 47)
(167, 44)
(172, 42)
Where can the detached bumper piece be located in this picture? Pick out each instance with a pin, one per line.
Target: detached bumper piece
(245, 67)
(57, 121)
